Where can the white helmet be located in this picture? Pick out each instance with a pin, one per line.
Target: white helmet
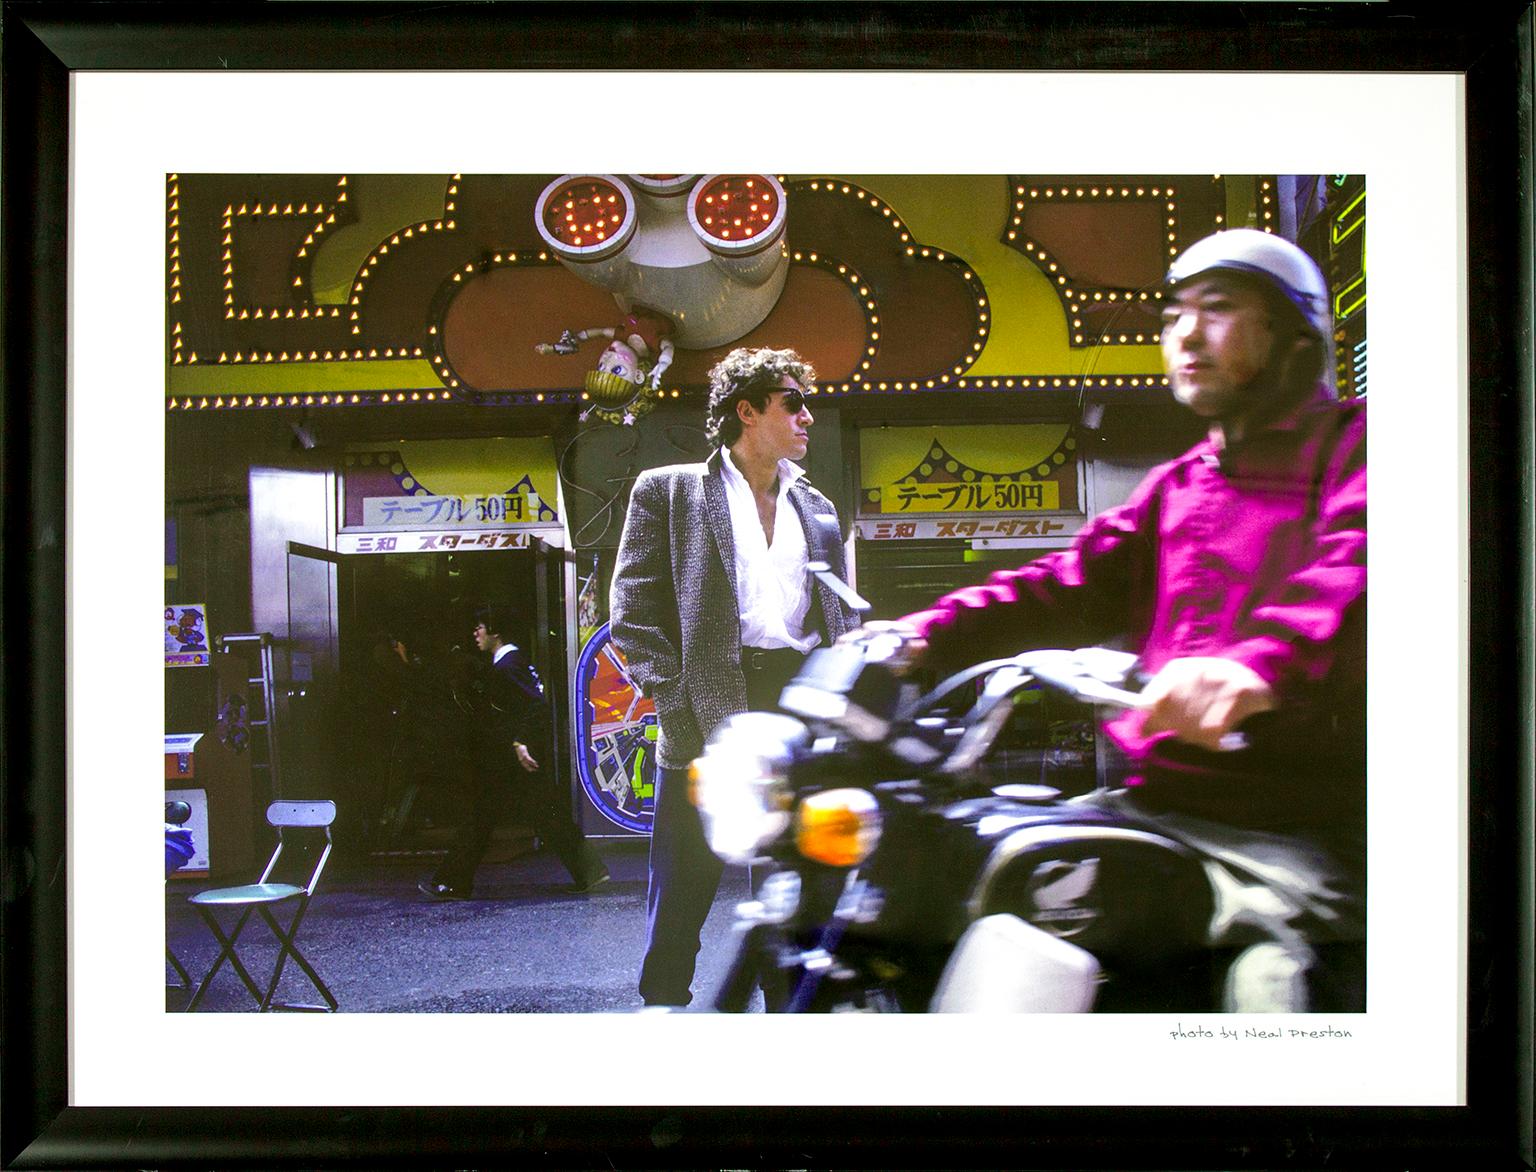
(1267, 256)
(1275, 260)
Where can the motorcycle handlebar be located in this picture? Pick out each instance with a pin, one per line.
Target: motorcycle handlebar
(1093, 675)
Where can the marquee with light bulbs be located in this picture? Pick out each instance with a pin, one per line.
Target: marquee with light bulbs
(339, 291)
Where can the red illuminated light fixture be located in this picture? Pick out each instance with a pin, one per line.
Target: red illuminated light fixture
(586, 217)
(737, 214)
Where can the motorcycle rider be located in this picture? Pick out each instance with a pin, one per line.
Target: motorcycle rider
(1237, 571)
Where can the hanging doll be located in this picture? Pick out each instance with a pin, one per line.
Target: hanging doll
(627, 380)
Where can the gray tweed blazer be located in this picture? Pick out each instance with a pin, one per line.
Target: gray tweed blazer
(673, 606)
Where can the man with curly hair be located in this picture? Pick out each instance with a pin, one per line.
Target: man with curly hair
(714, 610)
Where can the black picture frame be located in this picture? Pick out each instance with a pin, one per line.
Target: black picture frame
(44, 42)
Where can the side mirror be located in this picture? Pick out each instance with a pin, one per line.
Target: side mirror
(822, 572)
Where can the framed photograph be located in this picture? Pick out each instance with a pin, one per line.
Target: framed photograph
(129, 131)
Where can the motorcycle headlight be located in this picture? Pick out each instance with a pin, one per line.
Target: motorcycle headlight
(740, 785)
(839, 827)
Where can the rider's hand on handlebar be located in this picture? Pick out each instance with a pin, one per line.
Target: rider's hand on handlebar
(901, 648)
(1201, 699)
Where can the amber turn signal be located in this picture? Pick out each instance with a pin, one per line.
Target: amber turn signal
(838, 827)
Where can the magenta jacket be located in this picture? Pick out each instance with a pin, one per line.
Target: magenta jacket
(1254, 553)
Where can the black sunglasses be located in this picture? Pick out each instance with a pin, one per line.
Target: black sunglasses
(793, 401)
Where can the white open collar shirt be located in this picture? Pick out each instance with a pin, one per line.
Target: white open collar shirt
(773, 590)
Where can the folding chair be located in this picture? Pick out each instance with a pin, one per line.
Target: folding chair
(261, 897)
(176, 814)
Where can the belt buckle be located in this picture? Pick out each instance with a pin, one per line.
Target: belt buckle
(754, 659)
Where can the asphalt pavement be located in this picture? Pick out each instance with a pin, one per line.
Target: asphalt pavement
(522, 944)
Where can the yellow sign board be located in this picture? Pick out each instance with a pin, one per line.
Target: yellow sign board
(970, 468)
(453, 484)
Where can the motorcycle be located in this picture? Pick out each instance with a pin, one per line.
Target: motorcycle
(906, 878)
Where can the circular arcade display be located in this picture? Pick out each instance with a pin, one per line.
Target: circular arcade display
(616, 734)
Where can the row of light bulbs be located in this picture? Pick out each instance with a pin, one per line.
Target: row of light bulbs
(1076, 299)
(846, 272)
(445, 224)
(260, 357)
(368, 398)
(305, 399)
(440, 361)
(365, 398)
(179, 352)
(858, 380)
(327, 218)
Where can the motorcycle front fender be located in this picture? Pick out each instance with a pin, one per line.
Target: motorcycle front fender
(1001, 964)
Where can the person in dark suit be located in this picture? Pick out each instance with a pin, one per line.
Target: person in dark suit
(515, 744)
(714, 610)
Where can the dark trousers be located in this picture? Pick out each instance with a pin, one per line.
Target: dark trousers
(684, 872)
(535, 799)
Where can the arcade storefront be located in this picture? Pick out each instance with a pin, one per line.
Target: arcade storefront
(393, 399)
